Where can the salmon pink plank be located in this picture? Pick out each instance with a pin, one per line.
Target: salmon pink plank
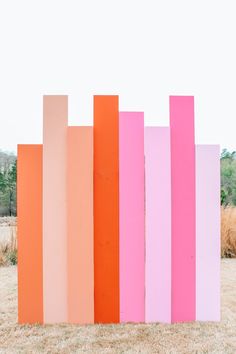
(158, 224)
(55, 110)
(80, 225)
(183, 208)
(106, 209)
(29, 225)
(131, 203)
(208, 232)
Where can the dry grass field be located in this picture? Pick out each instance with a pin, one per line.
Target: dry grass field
(8, 241)
(217, 338)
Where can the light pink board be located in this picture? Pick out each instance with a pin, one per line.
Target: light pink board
(183, 208)
(131, 209)
(55, 110)
(157, 224)
(208, 232)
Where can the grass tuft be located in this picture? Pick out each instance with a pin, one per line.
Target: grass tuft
(228, 232)
(8, 249)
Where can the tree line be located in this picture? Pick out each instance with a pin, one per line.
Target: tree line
(8, 173)
(228, 177)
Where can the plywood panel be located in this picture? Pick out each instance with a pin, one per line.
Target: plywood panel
(131, 192)
(183, 208)
(208, 232)
(158, 224)
(80, 225)
(106, 209)
(29, 230)
(55, 110)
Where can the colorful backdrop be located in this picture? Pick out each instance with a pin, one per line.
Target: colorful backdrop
(118, 222)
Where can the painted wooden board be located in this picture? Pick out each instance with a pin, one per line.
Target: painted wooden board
(208, 232)
(80, 225)
(131, 203)
(158, 224)
(55, 111)
(29, 234)
(106, 209)
(183, 208)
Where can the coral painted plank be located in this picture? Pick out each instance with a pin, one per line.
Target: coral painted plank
(80, 225)
(106, 209)
(208, 232)
(183, 208)
(55, 111)
(29, 229)
(158, 224)
(131, 194)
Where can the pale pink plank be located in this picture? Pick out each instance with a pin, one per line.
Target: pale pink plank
(131, 209)
(55, 110)
(208, 232)
(183, 208)
(158, 224)
(80, 225)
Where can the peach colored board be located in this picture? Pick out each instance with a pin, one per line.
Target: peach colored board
(80, 225)
(208, 232)
(131, 202)
(29, 213)
(158, 224)
(183, 210)
(55, 114)
(106, 209)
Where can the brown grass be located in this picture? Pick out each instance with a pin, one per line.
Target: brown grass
(186, 338)
(228, 232)
(8, 248)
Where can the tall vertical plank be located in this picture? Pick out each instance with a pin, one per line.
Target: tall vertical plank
(131, 204)
(183, 208)
(106, 209)
(208, 232)
(29, 227)
(80, 225)
(55, 109)
(158, 224)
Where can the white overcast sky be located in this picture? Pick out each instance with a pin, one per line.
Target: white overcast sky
(142, 50)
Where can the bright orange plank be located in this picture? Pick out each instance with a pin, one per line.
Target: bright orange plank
(80, 225)
(106, 209)
(29, 212)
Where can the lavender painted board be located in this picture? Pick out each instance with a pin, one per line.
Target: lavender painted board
(208, 232)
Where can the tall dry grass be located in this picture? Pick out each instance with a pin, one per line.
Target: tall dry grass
(228, 231)
(8, 248)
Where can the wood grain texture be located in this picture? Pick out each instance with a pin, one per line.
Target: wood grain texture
(106, 209)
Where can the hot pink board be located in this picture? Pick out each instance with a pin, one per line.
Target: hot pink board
(208, 232)
(158, 224)
(183, 208)
(80, 225)
(55, 111)
(131, 222)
